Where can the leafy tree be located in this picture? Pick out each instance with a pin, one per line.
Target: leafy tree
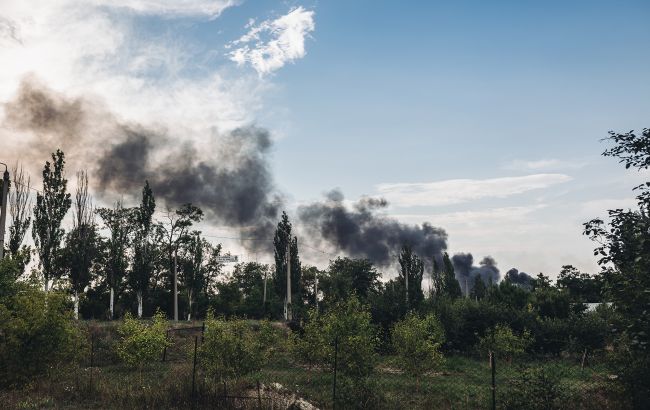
(175, 231)
(580, 286)
(411, 272)
(38, 337)
(193, 267)
(502, 341)
(283, 242)
(310, 347)
(51, 207)
(118, 222)
(231, 349)
(437, 280)
(20, 214)
(346, 277)
(479, 290)
(624, 250)
(450, 286)
(140, 342)
(82, 244)
(143, 252)
(417, 342)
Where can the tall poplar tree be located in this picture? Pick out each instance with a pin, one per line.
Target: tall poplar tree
(410, 276)
(143, 252)
(283, 242)
(51, 207)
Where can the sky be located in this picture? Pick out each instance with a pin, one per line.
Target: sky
(483, 118)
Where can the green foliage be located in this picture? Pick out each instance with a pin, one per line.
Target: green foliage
(51, 207)
(503, 342)
(346, 277)
(37, 335)
(450, 286)
(310, 347)
(535, 388)
(411, 272)
(580, 286)
(417, 343)
(231, 349)
(282, 242)
(140, 342)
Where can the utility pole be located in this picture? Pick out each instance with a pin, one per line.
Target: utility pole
(264, 298)
(316, 289)
(288, 316)
(176, 283)
(3, 213)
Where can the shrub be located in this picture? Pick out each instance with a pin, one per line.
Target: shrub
(417, 343)
(504, 343)
(536, 388)
(231, 349)
(141, 342)
(37, 335)
(310, 347)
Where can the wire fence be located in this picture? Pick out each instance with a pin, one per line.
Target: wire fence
(479, 381)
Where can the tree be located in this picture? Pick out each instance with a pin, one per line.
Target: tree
(581, 287)
(118, 222)
(479, 290)
(624, 251)
(141, 343)
(411, 272)
(82, 244)
(192, 267)
(20, 213)
(175, 231)
(143, 254)
(51, 207)
(450, 287)
(347, 277)
(437, 280)
(502, 341)
(417, 342)
(231, 349)
(283, 242)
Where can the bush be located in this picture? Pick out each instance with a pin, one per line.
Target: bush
(141, 343)
(536, 388)
(417, 343)
(231, 349)
(310, 347)
(504, 343)
(37, 335)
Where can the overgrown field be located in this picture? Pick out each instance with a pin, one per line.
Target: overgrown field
(460, 381)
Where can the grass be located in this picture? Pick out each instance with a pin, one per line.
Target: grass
(461, 383)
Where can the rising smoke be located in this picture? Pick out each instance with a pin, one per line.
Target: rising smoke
(466, 272)
(229, 177)
(363, 232)
(521, 279)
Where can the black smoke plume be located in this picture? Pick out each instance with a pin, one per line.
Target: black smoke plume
(363, 232)
(466, 272)
(228, 177)
(521, 279)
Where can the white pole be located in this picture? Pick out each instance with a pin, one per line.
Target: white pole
(3, 213)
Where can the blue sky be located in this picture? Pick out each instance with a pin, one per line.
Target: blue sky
(483, 118)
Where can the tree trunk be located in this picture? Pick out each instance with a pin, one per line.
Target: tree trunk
(175, 288)
(189, 307)
(76, 305)
(111, 304)
(139, 304)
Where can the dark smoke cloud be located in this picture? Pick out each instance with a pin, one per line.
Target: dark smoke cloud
(466, 272)
(518, 278)
(229, 178)
(362, 232)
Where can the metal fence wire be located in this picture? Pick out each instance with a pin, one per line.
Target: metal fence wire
(476, 381)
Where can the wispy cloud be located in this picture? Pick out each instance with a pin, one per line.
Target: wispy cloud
(269, 45)
(456, 191)
(209, 8)
(543, 164)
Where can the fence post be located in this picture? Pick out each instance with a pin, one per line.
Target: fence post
(196, 344)
(92, 359)
(336, 353)
(165, 348)
(259, 396)
(494, 386)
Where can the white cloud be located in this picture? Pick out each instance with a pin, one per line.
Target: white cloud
(172, 8)
(285, 43)
(455, 191)
(543, 165)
